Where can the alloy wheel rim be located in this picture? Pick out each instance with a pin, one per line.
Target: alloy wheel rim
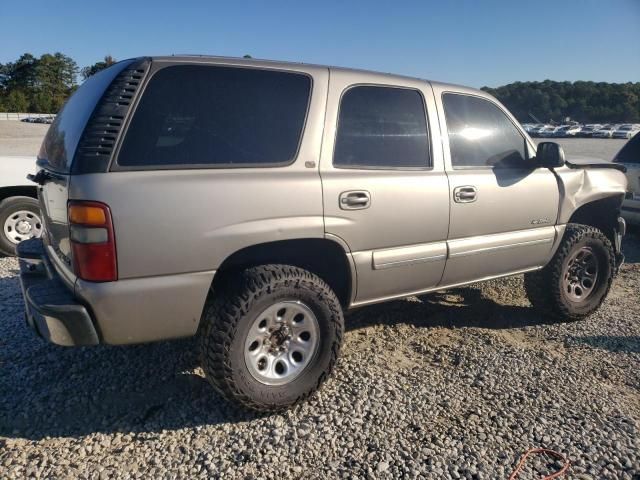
(22, 225)
(581, 274)
(282, 341)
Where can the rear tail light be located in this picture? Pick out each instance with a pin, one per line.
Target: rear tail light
(92, 241)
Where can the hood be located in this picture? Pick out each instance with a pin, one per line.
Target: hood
(592, 162)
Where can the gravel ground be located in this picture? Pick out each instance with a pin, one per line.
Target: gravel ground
(452, 385)
(21, 138)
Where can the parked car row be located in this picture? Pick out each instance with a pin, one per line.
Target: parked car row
(596, 130)
(48, 119)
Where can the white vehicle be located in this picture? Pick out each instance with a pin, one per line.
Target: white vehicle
(19, 208)
(547, 131)
(626, 131)
(604, 132)
(629, 156)
(565, 131)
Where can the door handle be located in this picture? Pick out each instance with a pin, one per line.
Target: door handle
(465, 194)
(355, 200)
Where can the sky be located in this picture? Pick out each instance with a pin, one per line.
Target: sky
(475, 43)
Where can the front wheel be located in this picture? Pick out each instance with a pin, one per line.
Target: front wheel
(270, 336)
(577, 279)
(19, 220)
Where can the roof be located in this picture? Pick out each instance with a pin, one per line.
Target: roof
(253, 62)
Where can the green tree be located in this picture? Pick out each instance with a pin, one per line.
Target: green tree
(586, 102)
(96, 67)
(16, 101)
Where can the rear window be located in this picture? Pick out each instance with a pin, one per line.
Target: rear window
(201, 116)
(61, 141)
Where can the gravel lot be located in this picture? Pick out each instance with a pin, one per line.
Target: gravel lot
(21, 138)
(451, 385)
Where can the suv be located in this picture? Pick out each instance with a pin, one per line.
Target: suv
(251, 203)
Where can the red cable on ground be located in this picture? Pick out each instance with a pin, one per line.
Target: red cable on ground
(552, 453)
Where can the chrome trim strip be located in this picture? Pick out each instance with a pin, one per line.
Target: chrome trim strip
(500, 247)
(399, 263)
(440, 287)
(408, 255)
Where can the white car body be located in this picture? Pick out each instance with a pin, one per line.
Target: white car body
(606, 132)
(14, 171)
(19, 208)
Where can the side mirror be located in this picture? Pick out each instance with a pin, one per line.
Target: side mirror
(549, 155)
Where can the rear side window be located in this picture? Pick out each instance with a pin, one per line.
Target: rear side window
(196, 115)
(382, 127)
(63, 136)
(481, 135)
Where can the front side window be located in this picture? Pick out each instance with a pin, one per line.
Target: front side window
(481, 135)
(382, 127)
(202, 115)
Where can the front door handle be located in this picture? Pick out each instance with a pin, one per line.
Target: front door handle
(355, 200)
(465, 194)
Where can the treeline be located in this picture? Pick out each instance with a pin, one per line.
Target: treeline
(585, 102)
(42, 85)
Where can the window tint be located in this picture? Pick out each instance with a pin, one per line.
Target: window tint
(208, 115)
(480, 134)
(382, 127)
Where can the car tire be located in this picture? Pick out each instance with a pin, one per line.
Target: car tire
(13, 210)
(577, 279)
(270, 336)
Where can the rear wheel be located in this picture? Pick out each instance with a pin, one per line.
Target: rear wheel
(270, 336)
(19, 220)
(577, 279)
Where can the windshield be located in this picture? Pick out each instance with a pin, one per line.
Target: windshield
(59, 145)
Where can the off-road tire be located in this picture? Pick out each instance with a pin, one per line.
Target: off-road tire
(544, 288)
(8, 206)
(231, 309)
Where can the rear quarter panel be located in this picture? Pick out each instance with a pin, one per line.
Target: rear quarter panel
(181, 221)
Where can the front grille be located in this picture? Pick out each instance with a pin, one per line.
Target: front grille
(100, 136)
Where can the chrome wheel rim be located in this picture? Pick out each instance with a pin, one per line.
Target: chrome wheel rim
(282, 341)
(22, 225)
(581, 275)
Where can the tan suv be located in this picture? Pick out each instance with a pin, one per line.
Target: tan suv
(252, 202)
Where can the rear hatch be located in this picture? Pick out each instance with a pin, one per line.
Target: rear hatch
(81, 141)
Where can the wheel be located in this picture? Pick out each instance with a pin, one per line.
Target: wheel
(270, 336)
(577, 279)
(19, 220)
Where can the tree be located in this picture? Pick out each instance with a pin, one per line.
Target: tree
(56, 79)
(16, 101)
(96, 67)
(586, 102)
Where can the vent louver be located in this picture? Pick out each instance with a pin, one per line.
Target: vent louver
(99, 138)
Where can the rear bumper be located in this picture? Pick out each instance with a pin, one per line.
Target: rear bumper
(51, 310)
(126, 311)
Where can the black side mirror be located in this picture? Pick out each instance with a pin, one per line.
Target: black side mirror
(549, 155)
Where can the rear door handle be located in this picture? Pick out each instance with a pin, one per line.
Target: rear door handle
(355, 200)
(465, 194)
